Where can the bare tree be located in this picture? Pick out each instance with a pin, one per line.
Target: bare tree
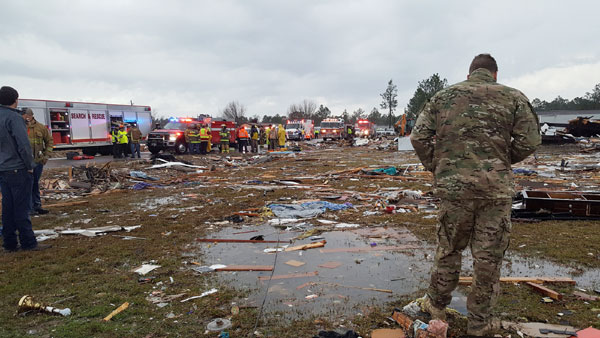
(305, 110)
(234, 111)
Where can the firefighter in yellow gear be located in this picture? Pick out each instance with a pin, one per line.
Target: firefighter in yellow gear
(267, 131)
(224, 135)
(120, 136)
(209, 146)
(204, 139)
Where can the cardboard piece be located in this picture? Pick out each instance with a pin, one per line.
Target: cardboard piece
(294, 263)
(533, 329)
(330, 265)
(388, 333)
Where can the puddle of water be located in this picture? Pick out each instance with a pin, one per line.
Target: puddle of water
(403, 272)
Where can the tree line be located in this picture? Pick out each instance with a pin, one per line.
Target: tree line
(589, 101)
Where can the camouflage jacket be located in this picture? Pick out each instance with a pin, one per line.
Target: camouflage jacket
(470, 133)
(40, 141)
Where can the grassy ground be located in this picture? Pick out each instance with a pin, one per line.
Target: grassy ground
(93, 276)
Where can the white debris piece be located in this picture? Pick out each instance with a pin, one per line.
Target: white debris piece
(145, 268)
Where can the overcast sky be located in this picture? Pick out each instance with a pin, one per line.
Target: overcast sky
(190, 57)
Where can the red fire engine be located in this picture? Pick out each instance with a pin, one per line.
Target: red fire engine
(364, 128)
(171, 137)
(332, 129)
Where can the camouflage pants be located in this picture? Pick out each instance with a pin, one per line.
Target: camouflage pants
(485, 225)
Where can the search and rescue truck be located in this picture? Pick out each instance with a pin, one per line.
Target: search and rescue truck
(364, 128)
(86, 125)
(171, 137)
(300, 129)
(332, 129)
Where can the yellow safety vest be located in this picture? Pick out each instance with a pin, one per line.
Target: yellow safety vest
(122, 136)
(203, 134)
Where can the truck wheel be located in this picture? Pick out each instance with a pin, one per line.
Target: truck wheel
(105, 151)
(180, 148)
(91, 151)
(153, 150)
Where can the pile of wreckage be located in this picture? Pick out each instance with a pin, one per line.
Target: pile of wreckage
(584, 131)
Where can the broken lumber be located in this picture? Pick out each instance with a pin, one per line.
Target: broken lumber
(545, 291)
(369, 248)
(246, 268)
(357, 287)
(229, 240)
(116, 311)
(307, 246)
(585, 296)
(291, 275)
(536, 280)
(65, 204)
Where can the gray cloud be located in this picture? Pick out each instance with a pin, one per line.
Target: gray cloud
(189, 57)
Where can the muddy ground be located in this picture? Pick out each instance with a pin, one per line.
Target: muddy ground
(331, 290)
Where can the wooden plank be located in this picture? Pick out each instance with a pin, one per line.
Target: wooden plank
(291, 275)
(357, 287)
(116, 311)
(246, 268)
(307, 246)
(545, 291)
(231, 240)
(585, 296)
(536, 280)
(369, 248)
(65, 204)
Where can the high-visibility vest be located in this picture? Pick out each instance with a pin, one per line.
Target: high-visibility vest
(243, 133)
(224, 136)
(255, 135)
(121, 137)
(349, 131)
(203, 134)
(194, 135)
(113, 135)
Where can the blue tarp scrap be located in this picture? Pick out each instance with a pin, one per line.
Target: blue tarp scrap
(306, 210)
(522, 171)
(141, 174)
(144, 185)
(388, 171)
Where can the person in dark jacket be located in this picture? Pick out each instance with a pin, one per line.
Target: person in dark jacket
(16, 175)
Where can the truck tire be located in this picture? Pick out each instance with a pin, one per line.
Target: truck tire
(180, 148)
(153, 150)
(105, 150)
(90, 151)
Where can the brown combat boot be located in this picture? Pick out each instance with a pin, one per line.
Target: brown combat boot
(435, 312)
(484, 329)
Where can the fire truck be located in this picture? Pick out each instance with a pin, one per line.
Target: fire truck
(333, 129)
(300, 129)
(171, 137)
(364, 128)
(86, 125)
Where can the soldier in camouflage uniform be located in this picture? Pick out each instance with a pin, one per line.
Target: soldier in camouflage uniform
(468, 135)
(41, 146)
